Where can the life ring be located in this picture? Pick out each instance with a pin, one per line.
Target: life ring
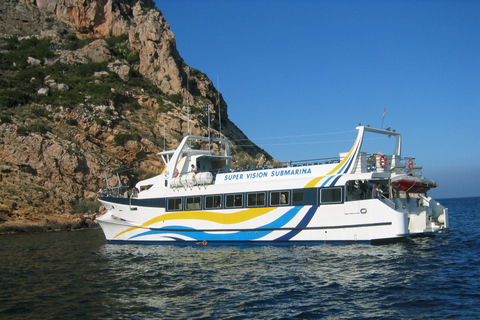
(176, 173)
(382, 161)
(410, 163)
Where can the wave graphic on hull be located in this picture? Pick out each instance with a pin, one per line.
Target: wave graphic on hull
(180, 233)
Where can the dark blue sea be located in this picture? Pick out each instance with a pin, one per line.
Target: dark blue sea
(77, 275)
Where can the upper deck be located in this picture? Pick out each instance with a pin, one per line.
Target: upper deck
(206, 162)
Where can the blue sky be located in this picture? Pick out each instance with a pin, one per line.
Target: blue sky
(298, 76)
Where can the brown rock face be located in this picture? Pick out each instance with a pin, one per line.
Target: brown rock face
(94, 18)
(61, 162)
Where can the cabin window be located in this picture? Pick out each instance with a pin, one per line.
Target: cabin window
(356, 190)
(280, 198)
(256, 199)
(331, 195)
(174, 204)
(305, 197)
(234, 200)
(213, 202)
(298, 196)
(143, 188)
(193, 203)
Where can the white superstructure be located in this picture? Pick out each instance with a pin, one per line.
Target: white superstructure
(199, 199)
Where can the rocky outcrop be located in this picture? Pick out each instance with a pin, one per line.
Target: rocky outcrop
(97, 51)
(65, 222)
(54, 161)
(93, 18)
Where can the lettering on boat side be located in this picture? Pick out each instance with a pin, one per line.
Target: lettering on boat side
(236, 176)
(290, 172)
(264, 174)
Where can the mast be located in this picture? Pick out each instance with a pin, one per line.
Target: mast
(106, 180)
(188, 109)
(219, 105)
(209, 131)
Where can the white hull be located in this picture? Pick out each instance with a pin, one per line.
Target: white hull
(300, 224)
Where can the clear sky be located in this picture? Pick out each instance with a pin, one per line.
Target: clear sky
(298, 76)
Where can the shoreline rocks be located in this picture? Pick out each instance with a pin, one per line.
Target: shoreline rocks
(73, 223)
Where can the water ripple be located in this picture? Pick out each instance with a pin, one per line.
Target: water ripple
(79, 275)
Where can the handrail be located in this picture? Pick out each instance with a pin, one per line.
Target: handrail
(388, 200)
(314, 161)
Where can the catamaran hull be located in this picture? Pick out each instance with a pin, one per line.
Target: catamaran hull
(305, 225)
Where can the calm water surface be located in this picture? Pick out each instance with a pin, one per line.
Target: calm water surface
(77, 275)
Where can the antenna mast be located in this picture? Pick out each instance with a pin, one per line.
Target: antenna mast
(384, 112)
(188, 108)
(219, 111)
(106, 180)
(209, 138)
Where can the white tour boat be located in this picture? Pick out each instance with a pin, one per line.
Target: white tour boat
(200, 199)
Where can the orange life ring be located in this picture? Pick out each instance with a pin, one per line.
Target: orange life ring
(176, 173)
(382, 161)
(410, 163)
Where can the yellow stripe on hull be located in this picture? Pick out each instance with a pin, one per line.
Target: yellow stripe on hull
(222, 218)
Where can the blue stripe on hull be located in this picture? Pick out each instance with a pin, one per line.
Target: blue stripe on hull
(262, 243)
(239, 243)
(247, 235)
(305, 221)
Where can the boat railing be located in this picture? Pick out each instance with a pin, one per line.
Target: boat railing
(388, 200)
(390, 163)
(296, 163)
(312, 162)
(256, 168)
(115, 192)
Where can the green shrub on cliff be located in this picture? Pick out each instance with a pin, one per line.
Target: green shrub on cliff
(22, 131)
(20, 80)
(39, 127)
(85, 206)
(5, 119)
(17, 52)
(121, 138)
(14, 97)
(74, 43)
(133, 57)
(119, 46)
(175, 98)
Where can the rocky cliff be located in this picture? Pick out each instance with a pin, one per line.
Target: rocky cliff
(92, 89)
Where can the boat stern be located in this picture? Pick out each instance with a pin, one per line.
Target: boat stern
(428, 217)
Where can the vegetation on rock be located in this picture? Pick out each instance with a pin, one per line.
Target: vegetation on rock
(75, 108)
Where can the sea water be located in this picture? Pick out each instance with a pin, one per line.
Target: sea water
(77, 275)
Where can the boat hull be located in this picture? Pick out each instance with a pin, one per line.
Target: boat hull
(295, 225)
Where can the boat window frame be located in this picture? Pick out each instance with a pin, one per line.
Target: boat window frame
(234, 200)
(356, 190)
(193, 197)
(213, 201)
(168, 208)
(256, 195)
(321, 190)
(145, 187)
(310, 197)
(280, 192)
